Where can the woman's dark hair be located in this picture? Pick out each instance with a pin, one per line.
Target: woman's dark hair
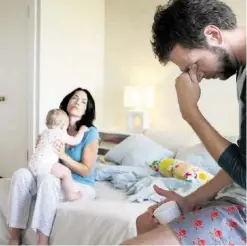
(183, 22)
(89, 116)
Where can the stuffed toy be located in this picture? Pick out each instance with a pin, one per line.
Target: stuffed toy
(181, 170)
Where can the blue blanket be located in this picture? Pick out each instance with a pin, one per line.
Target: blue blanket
(138, 182)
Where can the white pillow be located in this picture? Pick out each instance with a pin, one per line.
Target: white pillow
(172, 140)
(198, 156)
(137, 150)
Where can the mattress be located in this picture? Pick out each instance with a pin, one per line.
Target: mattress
(108, 220)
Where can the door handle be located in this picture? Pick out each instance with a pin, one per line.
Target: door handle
(2, 99)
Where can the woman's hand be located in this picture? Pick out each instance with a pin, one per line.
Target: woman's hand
(59, 148)
(185, 203)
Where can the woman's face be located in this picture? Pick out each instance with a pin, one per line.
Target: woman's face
(77, 104)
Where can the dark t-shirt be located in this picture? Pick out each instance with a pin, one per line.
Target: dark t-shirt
(233, 159)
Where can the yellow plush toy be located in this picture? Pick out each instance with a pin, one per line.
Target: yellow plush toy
(181, 170)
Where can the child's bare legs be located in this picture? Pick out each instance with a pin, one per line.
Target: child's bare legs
(63, 173)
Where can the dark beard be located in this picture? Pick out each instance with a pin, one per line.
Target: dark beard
(228, 66)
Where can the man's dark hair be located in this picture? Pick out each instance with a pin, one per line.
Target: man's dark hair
(183, 22)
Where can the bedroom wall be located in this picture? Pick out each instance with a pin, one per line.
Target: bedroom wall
(129, 61)
(71, 52)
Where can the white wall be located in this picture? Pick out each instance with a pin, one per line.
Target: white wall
(129, 60)
(71, 52)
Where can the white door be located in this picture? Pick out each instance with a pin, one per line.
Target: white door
(14, 48)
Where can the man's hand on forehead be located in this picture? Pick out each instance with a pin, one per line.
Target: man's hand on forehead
(188, 93)
(194, 74)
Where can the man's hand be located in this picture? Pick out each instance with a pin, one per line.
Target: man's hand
(152, 208)
(188, 93)
(195, 75)
(185, 204)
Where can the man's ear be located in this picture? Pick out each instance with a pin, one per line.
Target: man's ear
(213, 35)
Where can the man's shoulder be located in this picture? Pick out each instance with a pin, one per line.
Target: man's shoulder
(241, 73)
(241, 83)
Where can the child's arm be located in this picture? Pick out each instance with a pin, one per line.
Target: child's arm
(74, 140)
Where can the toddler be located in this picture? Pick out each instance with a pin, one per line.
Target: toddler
(45, 159)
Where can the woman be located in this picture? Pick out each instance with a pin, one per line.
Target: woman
(80, 159)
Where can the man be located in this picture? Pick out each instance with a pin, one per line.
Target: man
(203, 39)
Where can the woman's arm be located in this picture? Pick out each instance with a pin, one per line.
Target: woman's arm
(84, 167)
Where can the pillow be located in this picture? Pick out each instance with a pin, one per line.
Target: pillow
(172, 140)
(198, 156)
(137, 150)
(181, 170)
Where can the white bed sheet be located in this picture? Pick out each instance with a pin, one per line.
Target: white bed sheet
(108, 220)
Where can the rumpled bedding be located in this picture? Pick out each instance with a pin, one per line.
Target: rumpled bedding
(138, 182)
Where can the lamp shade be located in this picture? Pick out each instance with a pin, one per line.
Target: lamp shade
(138, 97)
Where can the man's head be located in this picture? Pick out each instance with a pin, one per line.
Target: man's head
(189, 32)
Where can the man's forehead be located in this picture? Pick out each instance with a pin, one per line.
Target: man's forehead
(180, 57)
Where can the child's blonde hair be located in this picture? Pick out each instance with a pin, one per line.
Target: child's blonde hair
(56, 117)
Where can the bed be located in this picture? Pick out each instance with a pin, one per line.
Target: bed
(108, 220)
(111, 218)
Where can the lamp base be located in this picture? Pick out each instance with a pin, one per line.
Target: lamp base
(137, 121)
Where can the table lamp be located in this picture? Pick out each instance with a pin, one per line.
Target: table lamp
(138, 99)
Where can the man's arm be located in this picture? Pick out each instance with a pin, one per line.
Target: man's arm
(210, 190)
(228, 155)
(198, 197)
(212, 140)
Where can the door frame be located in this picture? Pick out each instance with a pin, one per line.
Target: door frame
(33, 12)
